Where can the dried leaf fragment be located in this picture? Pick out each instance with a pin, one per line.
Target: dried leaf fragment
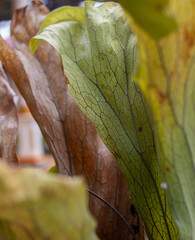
(32, 84)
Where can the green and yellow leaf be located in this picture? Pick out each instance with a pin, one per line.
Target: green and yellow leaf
(166, 75)
(99, 58)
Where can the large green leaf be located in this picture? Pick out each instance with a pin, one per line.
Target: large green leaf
(151, 15)
(166, 74)
(36, 205)
(98, 59)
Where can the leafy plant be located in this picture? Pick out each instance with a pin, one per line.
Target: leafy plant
(98, 56)
(70, 135)
(147, 123)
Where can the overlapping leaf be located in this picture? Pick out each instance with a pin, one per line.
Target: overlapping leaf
(72, 138)
(8, 120)
(151, 16)
(98, 59)
(35, 205)
(166, 74)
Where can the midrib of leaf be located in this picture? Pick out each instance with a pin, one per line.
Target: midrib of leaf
(137, 161)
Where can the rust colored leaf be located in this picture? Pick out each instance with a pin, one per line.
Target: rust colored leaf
(8, 120)
(71, 136)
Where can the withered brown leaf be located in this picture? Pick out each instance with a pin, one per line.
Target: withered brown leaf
(71, 136)
(33, 85)
(8, 120)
